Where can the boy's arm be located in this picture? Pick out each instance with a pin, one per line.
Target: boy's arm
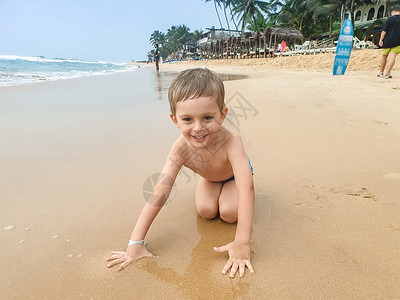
(239, 249)
(152, 207)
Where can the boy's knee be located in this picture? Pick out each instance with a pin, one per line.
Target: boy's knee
(207, 212)
(228, 214)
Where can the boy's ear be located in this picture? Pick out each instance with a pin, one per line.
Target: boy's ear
(174, 119)
(224, 112)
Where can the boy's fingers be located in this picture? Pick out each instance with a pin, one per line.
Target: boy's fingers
(115, 262)
(123, 265)
(248, 264)
(234, 269)
(227, 267)
(241, 269)
(221, 249)
(112, 257)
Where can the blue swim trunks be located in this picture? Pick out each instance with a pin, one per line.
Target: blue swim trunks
(233, 177)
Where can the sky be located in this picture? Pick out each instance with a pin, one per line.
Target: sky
(101, 30)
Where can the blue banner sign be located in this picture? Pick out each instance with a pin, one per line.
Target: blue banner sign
(343, 48)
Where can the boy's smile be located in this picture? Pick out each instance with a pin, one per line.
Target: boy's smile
(198, 119)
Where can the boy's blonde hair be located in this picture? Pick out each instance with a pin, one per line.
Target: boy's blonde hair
(194, 83)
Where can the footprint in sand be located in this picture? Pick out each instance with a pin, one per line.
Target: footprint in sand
(361, 193)
(392, 175)
(395, 228)
(364, 193)
(381, 123)
(318, 195)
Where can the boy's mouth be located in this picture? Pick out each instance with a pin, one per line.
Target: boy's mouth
(199, 138)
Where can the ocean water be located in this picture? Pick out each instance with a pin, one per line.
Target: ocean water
(17, 70)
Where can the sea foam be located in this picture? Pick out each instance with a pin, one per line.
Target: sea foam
(21, 70)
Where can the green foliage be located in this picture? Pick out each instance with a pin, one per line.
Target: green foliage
(157, 37)
(312, 17)
(258, 24)
(177, 38)
(246, 11)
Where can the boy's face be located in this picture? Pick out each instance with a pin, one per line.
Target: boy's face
(199, 119)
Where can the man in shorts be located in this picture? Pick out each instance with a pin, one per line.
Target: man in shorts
(390, 42)
(157, 57)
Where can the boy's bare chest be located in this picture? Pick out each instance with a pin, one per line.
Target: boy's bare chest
(212, 165)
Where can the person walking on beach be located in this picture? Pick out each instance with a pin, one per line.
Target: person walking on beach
(225, 187)
(157, 57)
(390, 42)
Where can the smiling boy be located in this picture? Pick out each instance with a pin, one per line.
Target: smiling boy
(214, 152)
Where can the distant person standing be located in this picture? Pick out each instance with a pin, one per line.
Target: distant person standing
(390, 42)
(157, 57)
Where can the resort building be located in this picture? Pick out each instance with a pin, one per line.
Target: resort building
(366, 16)
(213, 35)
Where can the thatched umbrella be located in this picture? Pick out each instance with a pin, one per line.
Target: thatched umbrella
(289, 34)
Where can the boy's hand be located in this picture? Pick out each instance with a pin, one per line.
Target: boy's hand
(239, 258)
(125, 258)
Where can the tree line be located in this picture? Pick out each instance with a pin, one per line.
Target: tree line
(176, 38)
(311, 17)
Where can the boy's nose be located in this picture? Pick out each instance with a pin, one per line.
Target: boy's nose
(198, 126)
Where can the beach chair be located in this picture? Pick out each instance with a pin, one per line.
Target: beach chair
(305, 45)
(358, 44)
(330, 50)
(302, 49)
(251, 53)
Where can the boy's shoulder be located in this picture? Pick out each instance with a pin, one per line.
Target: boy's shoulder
(180, 151)
(234, 145)
(179, 143)
(231, 136)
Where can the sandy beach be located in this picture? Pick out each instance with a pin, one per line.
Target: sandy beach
(75, 155)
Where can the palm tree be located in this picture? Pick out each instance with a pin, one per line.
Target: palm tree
(226, 17)
(184, 36)
(258, 24)
(197, 34)
(216, 2)
(157, 37)
(230, 4)
(178, 37)
(328, 8)
(293, 13)
(248, 9)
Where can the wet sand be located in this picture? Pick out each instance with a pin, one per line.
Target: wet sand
(325, 151)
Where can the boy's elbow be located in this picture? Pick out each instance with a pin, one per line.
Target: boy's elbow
(159, 196)
(247, 190)
(252, 192)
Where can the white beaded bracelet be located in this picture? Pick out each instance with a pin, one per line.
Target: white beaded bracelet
(142, 242)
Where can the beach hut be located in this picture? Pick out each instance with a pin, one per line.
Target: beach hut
(216, 42)
(275, 35)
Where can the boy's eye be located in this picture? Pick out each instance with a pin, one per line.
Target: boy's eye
(186, 119)
(208, 118)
